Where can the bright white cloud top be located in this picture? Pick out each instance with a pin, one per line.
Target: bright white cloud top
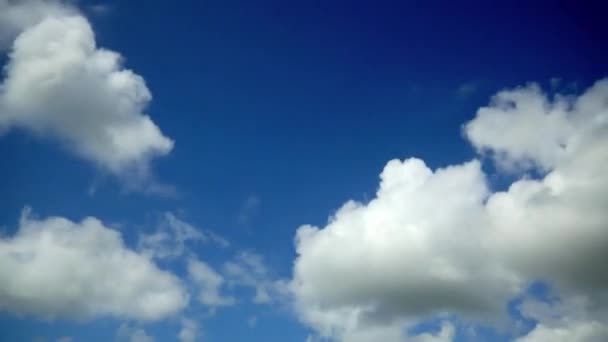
(60, 85)
(56, 268)
(17, 16)
(437, 242)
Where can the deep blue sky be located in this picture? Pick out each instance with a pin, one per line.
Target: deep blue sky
(299, 105)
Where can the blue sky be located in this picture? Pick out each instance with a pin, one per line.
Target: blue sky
(280, 113)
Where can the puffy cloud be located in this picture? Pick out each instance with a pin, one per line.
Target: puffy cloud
(188, 331)
(410, 251)
(440, 241)
(60, 85)
(56, 268)
(172, 236)
(555, 228)
(18, 15)
(524, 128)
(210, 284)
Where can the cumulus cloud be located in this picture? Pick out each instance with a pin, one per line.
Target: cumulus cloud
(524, 129)
(56, 268)
(210, 284)
(440, 241)
(18, 15)
(409, 252)
(60, 85)
(555, 227)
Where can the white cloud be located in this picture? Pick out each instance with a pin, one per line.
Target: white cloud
(60, 85)
(435, 242)
(189, 330)
(171, 238)
(127, 333)
(412, 251)
(523, 128)
(210, 284)
(56, 268)
(555, 228)
(18, 15)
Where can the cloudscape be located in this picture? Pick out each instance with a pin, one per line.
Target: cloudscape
(303, 171)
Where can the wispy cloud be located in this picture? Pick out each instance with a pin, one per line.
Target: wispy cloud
(248, 210)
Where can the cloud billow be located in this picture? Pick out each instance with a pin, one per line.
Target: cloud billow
(60, 85)
(54, 268)
(438, 242)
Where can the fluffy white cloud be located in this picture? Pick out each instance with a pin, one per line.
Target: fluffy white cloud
(18, 15)
(60, 85)
(412, 251)
(434, 242)
(556, 228)
(210, 284)
(523, 128)
(56, 268)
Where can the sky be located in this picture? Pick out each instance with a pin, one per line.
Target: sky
(312, 171)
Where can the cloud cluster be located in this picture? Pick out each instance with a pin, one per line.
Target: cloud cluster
(440, 241)
(60, 85)
(56, 268)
